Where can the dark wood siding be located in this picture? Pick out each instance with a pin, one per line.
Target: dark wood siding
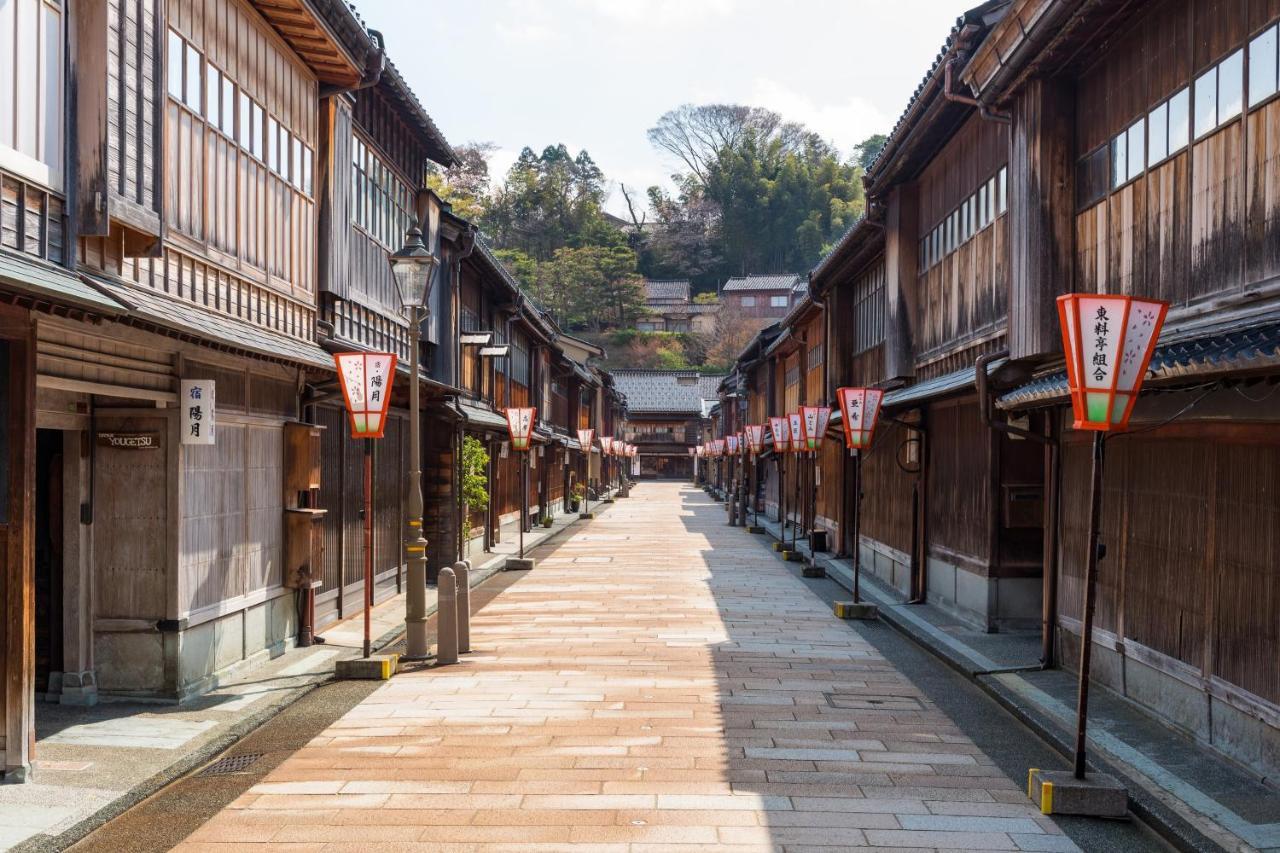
(959, 502)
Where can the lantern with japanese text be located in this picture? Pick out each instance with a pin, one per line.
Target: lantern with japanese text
(780, 432)
(366, 387)
(731, 444)
(1108, 342)
(717, 447)
(606, 444)
(585, 438)
(795, 431)
(814, 419)
(755, 438)
(859, 410)
(520, 426)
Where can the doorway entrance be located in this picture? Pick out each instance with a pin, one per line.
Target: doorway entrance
(49, 551)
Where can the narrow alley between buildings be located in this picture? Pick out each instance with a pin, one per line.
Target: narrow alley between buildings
(661, 681)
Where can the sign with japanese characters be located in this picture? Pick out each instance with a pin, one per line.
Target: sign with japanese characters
(196, 399)
(366, 386)
(755, 437)
(520, 425)
(1108, 341)
(796, 430)
(586, 437)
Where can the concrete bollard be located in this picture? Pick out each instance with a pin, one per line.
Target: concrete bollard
(447, 618)
(462, 571)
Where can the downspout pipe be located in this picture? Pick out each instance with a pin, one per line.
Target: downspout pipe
(372, 74)
(1053, 471)
(954, 97)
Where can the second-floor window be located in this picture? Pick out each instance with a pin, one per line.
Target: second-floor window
(748, 302)
(986, 204)
(777, 302)
(815, 356)
(381, 200)
(31, 112)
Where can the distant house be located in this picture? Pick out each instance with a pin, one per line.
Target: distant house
(666, 412)
(770, 296)
(670, 308)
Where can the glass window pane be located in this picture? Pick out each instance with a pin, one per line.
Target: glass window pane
(245, 121)
(1003, 184)
(256, 131)
(1137, 148)
(1179, 120)
(212, 104)
(1231, 86)
(296, 167)
(194, 63)
(228, 107)
(1206, 102)
(273, 152)
(1262, 66)
(1119, 160)
(1158, 135)
(306, 170)
(175, 65)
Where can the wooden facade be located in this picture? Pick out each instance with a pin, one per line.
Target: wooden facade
(1135, 152)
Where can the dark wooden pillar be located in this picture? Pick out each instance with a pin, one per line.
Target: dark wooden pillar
(1041, 211)
(902, 224)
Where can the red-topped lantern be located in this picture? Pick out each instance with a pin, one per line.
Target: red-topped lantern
(606, 444)
(755, 438)
(795, 431)
(366, 387)
(520, 426)
(585, 438)
(731, 444)
(780, 428)
(717, 447)
(814, 420)
(1108, 341)
(859, 410)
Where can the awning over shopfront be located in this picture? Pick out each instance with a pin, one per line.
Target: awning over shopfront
(1235, 351)
(148, 309)
(939, 386)
(483, 418)
(41, 282)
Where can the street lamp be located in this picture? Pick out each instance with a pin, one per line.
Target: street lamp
(413, 266)
(859, 411)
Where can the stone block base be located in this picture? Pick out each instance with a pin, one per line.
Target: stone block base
(518, 564)
(792, 556)
(373, 668)
(1060, 792)
(777, 546)
(754, 528)
(586, 516)
(849, 610)
(814, 572)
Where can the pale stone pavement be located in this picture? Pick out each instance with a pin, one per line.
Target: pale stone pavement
(659, 682)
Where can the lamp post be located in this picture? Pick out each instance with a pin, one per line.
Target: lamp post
(859, 410)
(413, 266)
(779, 431)
(814, 420)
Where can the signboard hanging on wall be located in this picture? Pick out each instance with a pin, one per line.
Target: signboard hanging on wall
(197, 399)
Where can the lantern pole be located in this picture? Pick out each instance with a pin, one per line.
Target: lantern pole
(857, 525)
(1090, 599)
(367, 514)
(524, 497)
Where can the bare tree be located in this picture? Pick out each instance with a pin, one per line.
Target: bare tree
(631, 209)
(697, 134)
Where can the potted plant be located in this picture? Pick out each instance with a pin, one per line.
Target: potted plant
(546, 521)
(576, 494)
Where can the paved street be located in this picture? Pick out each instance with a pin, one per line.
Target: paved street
(660, 681)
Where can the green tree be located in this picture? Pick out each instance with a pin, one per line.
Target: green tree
(869, 149)
(465, 185)
(474, 493)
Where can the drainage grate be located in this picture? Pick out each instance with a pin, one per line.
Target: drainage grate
(864, 702)
(231, 764)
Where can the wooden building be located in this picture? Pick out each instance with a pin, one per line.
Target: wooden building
(665, 412)
(1056, 147)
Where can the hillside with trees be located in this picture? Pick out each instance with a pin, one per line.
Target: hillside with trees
(754, 193)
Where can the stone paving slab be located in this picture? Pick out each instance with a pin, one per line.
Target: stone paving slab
(677, 697)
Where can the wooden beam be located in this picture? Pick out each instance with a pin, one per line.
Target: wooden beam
(901, 284)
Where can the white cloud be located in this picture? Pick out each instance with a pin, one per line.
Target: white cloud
(845, 123)
(659, 13)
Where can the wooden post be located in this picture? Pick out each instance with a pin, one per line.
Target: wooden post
(1090, 599)
(857, 523)
(367, 513)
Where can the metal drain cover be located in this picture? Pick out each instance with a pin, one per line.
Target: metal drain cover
(865, 702)
(231, 764)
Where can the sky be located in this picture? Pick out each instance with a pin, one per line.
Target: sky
(597, 74)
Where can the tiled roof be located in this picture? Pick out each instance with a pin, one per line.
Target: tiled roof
(1255, 347)
(666, 290)
(939, 386)
(438, 147)
(148, 308)
(661, 391)
(48, 282)
(784, 281)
